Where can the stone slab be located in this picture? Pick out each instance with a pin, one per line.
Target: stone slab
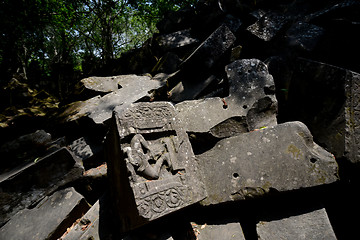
(109, 84)
(313, 225)
(268, 26)
(279, 158)
(49, 219)
(175, 40)
(251, 99)
(326, 98)
(151, 164)
(99, 109)
(38, 179)
(231, 230)
(211, 49)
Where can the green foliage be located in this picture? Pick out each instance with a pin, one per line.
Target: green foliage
(40, 35)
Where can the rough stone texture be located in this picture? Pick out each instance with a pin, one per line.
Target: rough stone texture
(314, 225)
(211, 49)
(141, 141)
(279, 158)
(49, 219)
(219, 231)
(103, 85)
(175, 40)
(189, 90)
(22, 149)
(304, 35)
(268, 26)
(99, 109)
(326, 98)
(251, 103)
(27, 186)
(89, 151)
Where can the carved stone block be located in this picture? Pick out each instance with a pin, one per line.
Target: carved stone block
(151, 164)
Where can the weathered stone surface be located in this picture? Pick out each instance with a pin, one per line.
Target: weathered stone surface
(49, 219)
(219, 231)
(151, 163)
(89, 151)
(167, 64)
(20, 150)
(175, 40)
(99, 109)
(189, 90)
(326, 98)
(211, 49)
(304, 35)
(27, 186)
(280, 158)
(251, 103)
(314, 225)
(268, 26)
(103, 85)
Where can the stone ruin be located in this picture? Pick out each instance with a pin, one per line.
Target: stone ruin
(245, 127)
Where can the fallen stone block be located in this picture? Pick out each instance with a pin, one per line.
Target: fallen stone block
(268, 26)
(87, 227)
(251, 103)
(99, 109)
(280, 158)
(210, 50)
(304, 36)
(176, 40)
(49, 219)
(218, 231)
(326, 98)
(313, 226)
(151, 164)
(21, 150)
(89, 151)
(103, 85)
(26, 186)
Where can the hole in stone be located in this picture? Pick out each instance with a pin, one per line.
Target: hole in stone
(245, 107)
(119, 86)
(225, 106)
(235, 175)
(313, 160)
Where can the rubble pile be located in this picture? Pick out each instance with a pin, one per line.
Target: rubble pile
(238, 119)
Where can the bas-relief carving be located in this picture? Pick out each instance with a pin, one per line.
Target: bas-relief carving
(146, 159)
(154, 152)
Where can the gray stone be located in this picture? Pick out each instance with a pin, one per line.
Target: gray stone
(167, 64)
(87, 227)
(189, 90)
(26, 186)
(211, 49)
(24, 148)
(108, 84)
(279, 158)
(314, 225)
(251, 103)
(90, 152)
(231, 230)
(152, 167)
(326, 98)
(49, 219)
(268, 26)
(304, 35)
(175, 40)
(99, 109)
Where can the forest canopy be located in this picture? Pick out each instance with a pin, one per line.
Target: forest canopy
(38, 35)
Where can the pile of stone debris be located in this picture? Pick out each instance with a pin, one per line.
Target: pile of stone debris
(238, 120)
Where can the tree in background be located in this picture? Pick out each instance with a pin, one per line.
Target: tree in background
(49, 39)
